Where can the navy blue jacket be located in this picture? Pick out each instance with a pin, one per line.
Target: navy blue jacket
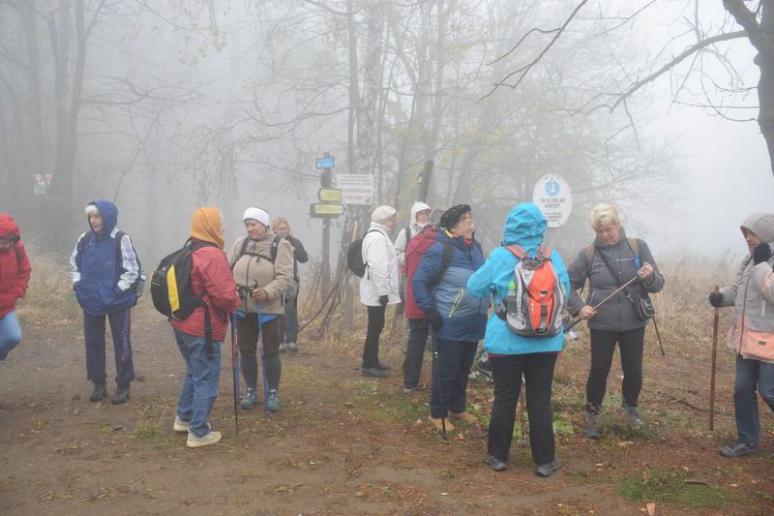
(95, 270)
(464, 316)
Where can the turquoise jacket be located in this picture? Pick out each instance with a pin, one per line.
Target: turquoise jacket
(525, 225)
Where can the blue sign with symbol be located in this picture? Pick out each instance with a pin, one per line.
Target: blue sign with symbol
(553, 188)
(326, 162)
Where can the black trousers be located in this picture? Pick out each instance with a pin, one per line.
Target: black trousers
(419, 329)
(538, 371)
(375, 327)
(602, 348)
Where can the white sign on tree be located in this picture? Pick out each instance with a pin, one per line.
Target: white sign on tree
(355, 188)
(553, 196)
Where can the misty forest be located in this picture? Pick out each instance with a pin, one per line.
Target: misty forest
(318, 112)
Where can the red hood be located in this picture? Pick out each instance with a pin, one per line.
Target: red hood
(8, 225)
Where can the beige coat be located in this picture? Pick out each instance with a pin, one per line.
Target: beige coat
(254, 269)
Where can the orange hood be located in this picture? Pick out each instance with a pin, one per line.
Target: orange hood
(207, 225)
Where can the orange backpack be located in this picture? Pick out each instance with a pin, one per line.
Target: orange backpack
(535, 300)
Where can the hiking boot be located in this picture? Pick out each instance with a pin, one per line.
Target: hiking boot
(197, 442)
(292, 347)
(181, 426)
(283, 347)
(592, 430)
(633, 418)
(122, 395)
(495, 464)
(273, 401)
(738, 449)
(249, 400)
(546, 470)
(373, 372)
(466, 417)
(438, 423)
(383, 367)
(99, 392)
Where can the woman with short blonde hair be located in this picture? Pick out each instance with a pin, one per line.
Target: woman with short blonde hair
(608, 263)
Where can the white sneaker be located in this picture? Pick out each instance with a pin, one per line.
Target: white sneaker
(180, 425)
(197, 442)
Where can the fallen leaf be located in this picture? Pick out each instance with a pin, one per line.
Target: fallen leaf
(651, 507)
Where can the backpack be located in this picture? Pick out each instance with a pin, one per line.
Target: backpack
(138, 286)
(171, 288)
(355, 255)
(634, 245)
(272, 251)
(536, 297)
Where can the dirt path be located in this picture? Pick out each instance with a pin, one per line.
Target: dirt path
(345, 444)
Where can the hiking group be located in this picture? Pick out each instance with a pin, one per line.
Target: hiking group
(454, 296)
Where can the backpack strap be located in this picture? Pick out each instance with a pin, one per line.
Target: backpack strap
(446, 258)
(274, 246)
(408, 236)
(80, 246)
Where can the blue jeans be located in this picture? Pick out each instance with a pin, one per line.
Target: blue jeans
(10, 333)
(452, 368)
(751, 375)
(200, 386)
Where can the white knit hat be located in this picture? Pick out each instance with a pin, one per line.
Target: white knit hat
(382, 213)
(258, 215)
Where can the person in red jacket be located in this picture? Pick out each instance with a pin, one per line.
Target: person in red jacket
(14, 277)
(419, 328)
(210, 279)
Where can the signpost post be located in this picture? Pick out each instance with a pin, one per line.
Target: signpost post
(330, 206)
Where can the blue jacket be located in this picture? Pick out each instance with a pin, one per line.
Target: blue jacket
(524, 226)
(464, 316)
(95, 271)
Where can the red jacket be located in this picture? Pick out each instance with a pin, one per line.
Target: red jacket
(414, 251)
(14, 268)
(211, 276)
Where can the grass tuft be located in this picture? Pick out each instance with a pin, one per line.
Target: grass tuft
(670, 486)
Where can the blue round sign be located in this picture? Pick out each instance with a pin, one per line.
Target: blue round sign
(553, 188)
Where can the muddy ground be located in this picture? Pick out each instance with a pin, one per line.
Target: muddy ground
(346, 444)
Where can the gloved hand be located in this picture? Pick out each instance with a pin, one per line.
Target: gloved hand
(383, 300)
(260, 295)
(434, 318)
(761, 253)
(716, 299)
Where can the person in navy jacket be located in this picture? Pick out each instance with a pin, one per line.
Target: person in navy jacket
(457, 318)
(102, 280)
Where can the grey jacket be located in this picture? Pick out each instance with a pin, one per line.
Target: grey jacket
(752, 296)
(619, 313)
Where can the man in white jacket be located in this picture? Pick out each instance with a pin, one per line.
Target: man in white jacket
(379, 286)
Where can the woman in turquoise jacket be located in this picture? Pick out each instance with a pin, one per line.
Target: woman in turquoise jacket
(514, 355)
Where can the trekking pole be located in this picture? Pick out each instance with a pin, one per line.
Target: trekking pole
(658, 336)
(434, 341)
(608, 298)
(263, 359)
(235, 370)
(522, 418)
(715, 322)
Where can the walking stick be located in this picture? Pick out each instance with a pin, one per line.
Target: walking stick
(715, 321)
(437, 371)
(263, 359)
(235, 370)
(658, 336)
(608, 298)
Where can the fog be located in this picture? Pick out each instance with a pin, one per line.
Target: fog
(203, 102)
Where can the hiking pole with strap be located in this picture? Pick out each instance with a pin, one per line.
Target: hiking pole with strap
(263, 359)
(608, 298)
(715, 323)
(436, 367)
(235, 370)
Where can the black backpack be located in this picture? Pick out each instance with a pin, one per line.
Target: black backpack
(272, 252)
(171, 288)
(355, 256)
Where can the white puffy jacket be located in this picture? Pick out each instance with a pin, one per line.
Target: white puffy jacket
(381, 276)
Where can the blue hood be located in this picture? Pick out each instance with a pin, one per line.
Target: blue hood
(525, 226)
(109, 214)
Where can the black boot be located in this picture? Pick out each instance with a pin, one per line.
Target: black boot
(122, 395)
(99, 392)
